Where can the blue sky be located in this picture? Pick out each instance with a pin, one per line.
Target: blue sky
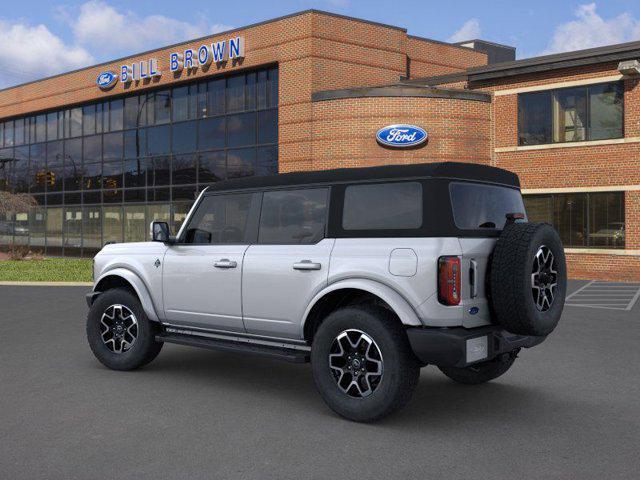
(43, 37)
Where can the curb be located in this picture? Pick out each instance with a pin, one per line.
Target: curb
(47, 284)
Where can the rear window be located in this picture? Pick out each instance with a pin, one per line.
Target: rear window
(383, 206)
(477, 206)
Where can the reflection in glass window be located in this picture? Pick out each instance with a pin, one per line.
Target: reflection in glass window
(54, 230)
(241, 163)
(211, 133)
(184, 137)
(184, 169)
(215, 97)
(135, 226)
(73, 230)
(158, 140)
(587, 220)
(162, 106)
(241, 129)
(112, 224)
(235, 93)
(293, 216)
(220, 219)
(116, 118)
(211, 167)
(591, 112)
(188, 152)
(112, 146)
(92, 229)
(268, 126)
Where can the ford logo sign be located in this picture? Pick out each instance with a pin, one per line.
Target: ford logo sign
(474, 310)
(106, 80)
(401, 136)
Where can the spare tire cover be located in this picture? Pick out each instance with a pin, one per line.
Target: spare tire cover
(528, 279)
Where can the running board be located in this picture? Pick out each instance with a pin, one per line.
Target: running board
(279, 353)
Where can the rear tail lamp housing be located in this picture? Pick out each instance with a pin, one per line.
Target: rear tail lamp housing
(449, 280)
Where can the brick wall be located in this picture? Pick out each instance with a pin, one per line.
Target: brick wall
(429, 58)
(576, 167)
(344, 131)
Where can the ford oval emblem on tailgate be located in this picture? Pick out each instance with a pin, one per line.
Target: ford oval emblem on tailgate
(401, 136)
(474, 310)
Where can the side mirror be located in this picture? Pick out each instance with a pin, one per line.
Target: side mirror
(160, 232)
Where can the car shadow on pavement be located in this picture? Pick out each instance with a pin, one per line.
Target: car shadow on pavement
(437, 400)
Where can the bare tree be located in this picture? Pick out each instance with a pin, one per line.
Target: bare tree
(15, 202)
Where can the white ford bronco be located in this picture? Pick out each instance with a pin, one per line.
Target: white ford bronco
(368, 273)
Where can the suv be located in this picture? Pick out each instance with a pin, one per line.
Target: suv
(368, 273)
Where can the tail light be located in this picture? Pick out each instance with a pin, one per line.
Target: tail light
(449, 280)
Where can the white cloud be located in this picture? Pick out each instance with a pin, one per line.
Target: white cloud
(29, 52)
(469, 31)
(589, 29)
(107, 31)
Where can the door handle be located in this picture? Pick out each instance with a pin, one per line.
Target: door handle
(473, 278)
(225, 263)
(307, 265)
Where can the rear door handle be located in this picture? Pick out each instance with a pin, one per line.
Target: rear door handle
(307, 265)
(225, 263)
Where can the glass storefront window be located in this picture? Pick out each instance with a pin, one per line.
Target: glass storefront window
(112, 224)
(154, 151)
(584, 220)
(134, 223)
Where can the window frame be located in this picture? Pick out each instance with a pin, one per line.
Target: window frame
(552, 92)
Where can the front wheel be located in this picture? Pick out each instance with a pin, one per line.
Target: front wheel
(481, 372)
(362, 363)
(119, 333)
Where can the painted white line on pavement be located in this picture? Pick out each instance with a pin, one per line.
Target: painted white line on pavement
(579, 290)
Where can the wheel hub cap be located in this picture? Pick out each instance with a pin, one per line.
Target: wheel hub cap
(118, 328)
(544, 278)
(356, 363)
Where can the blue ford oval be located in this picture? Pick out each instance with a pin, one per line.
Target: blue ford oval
(401, 136)
(106, 80)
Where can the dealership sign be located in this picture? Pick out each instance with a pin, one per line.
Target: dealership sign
(401, 136)
(106, 80)
(189, 59)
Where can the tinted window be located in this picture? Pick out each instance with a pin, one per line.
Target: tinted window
(388, 206)
(483, 206)
(293, 216)
(220, 219)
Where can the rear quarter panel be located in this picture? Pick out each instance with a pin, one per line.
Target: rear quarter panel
(369, 258)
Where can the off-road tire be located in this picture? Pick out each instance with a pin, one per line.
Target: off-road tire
(512, 296)
(145, 348)
(481, 372)
(400, 367)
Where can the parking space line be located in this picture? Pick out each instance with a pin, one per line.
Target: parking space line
(612, 296)
(579, 290)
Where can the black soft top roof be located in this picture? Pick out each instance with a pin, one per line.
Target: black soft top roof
(452, 170)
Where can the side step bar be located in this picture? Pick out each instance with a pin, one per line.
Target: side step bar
(279, 353)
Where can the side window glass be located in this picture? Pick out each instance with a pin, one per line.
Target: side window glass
(293, 216)
(220, 219)
(383, 206)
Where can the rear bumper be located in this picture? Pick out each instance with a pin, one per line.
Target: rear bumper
(460, 347)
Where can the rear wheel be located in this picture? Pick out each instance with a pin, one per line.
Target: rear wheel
(362, 363)
(481, 372)
(119, 333)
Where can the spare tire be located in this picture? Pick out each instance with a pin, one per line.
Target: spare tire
(528, 279)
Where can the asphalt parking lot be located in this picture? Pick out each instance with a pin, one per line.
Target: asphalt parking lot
(569, 409)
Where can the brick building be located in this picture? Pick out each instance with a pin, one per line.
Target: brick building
(106, 149)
